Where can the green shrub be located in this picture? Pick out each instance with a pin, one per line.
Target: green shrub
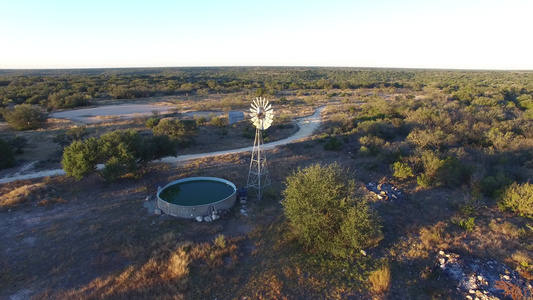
(6, 155)
(217, 121)
(453, 172)
(467, 224)
(333, 144)
(401, 170)
(372, 143)
(492, 185)
(200, 120)
(424, 181)
(518, 198)
(182, 131)
(121, 152)
(24, 117)
(152, 122)
(325, 215)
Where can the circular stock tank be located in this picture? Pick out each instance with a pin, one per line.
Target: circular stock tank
(196, 196)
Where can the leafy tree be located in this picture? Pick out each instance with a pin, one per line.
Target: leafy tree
(157, 147)
(6, 155)
(121, 152)
(24, 117)
(80, 158)
(325, 215)
(180, 131)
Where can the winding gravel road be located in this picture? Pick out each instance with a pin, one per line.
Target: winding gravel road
(307, 126)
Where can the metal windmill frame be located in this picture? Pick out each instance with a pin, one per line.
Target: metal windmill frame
(258, 174)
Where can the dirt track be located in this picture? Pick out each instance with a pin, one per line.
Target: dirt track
(307, 126)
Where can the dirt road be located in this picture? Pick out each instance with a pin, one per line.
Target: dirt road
(307, 126)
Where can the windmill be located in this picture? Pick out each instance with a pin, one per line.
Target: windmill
(262, 117)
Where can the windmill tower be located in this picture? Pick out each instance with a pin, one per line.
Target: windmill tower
(262, 117)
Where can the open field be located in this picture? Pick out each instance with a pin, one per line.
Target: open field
(451, 154)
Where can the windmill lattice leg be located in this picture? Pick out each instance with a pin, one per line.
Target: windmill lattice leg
(258, 176)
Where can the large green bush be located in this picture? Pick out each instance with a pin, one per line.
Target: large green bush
(24, 117)
(182, 131)
(326, 214)
(518, 198)
(121, 152)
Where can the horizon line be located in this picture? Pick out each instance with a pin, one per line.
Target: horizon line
(261, 66)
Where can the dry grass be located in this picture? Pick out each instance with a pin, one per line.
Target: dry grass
(380, 281)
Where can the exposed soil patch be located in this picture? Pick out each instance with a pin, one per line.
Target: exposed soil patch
(100, 113)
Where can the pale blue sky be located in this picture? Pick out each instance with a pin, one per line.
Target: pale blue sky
(458, 34)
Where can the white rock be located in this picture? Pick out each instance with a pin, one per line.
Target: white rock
(157, 211)
(441, 252)
(199, 218)
(243, 201)
(506, 277)
(471, 292)
(363, 252)
(469, 297)
(208, 219)
(215, 217)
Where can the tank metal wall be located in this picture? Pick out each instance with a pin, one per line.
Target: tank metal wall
(191, 212)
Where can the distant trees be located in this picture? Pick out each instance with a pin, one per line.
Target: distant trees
(121, 152)
(24, 117)
(325, 214)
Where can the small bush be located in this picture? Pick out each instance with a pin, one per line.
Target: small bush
(467, 224)
(152, 122)
(518, 198)
(217, 121)
(325, 215)
(333, 144)
(372, 143)
(401, 170)
(200, 120)
(424, 181)
(220, 241)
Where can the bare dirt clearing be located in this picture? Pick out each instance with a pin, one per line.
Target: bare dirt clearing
(100, 113)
